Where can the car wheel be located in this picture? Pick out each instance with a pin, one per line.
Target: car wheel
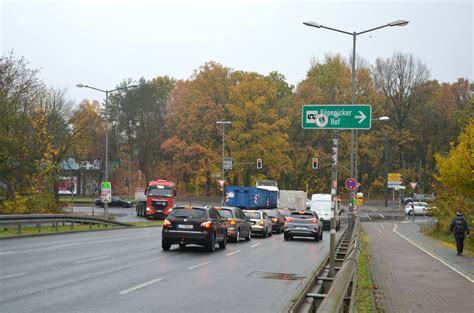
(281, 229)
(249, 235)
(211, 244)
(410, 212)
(270, 233)
(286, 236)
(316, 238)
(223, 243)
(165, 244)
(321, 235)
(237, 236)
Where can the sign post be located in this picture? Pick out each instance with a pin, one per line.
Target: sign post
(336, 117)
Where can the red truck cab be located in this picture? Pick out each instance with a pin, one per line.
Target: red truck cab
(160, 196)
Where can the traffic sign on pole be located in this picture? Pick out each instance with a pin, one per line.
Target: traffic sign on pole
(351, 184)
(106, 191)
(335, 116)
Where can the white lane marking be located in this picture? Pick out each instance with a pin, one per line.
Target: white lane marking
(383, 227)
(432, 255)
(255, 245)
(368, 216)
(272, 239)
(13, 275)
(373, 226)
(232, 253)
(198, 265)
(7, 252)
(93, 259)
(381, 215)
(148, 283)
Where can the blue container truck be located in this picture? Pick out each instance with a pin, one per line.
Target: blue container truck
(251, 198)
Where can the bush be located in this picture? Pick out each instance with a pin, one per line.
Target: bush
(31, 204)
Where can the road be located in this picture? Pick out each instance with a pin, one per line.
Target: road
(126, 271)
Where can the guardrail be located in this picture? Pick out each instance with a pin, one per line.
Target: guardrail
(321, 293)
(54, 220)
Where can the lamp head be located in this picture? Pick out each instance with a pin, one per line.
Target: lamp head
(80, 85)
(399, 23)
(384, 118)
(312, 24)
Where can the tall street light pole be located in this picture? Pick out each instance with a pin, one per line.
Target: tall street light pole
(80, 85)
(223, 145)
(354, 36)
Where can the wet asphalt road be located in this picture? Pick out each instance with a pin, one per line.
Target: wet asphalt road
(126, 271)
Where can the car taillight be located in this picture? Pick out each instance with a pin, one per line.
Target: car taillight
(206, 224)
(232, 222)
(288, 219)
(261, 222)
(274, 219)
(166, 223)
(313, 221)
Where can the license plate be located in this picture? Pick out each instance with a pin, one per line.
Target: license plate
(252, 223)
(300, 228)
(185, 226)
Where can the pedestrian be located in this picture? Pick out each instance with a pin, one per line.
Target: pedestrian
(459, 228)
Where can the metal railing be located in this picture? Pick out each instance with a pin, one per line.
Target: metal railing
(320, 293)
(39, 220)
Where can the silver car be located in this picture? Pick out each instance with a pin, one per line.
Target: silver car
(260, 222)
(304, 224)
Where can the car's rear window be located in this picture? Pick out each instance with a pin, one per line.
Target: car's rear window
(253, 214)
(189, 213)
(303, 215)
(272, 213)
(225, 213)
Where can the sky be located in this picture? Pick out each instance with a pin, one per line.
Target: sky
(101, 43)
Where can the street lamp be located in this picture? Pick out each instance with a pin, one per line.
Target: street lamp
(80, 85)
(353, 134)
(223, 142)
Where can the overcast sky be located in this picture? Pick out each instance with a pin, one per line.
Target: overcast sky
(101, 43)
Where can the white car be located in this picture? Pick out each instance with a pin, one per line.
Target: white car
(417, 208)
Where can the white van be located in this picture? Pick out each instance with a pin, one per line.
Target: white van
(321, 204)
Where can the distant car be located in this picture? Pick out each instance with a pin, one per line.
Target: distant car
(303, 224)
(321, 205)
(260, 221)
(238, 225)
(116, 201)
(285, 212)
(194, 225)
(417, 208)
(278, 220)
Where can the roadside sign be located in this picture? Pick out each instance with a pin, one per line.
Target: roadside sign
(106, 191)
(335, 116)
(413, 185)
(227, 163)
(398, 187)
(351, 184)
(394, 176)
(221, 182)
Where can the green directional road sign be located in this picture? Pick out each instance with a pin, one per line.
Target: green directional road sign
(335, 116)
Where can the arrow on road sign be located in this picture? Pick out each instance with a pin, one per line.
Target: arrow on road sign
(360, 117)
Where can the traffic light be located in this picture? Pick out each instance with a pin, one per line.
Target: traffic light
(314, 163)
(360, 198)
(259, 164)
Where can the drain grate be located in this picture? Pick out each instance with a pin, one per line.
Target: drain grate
(278, 276)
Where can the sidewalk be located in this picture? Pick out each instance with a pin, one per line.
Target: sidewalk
(415, 273)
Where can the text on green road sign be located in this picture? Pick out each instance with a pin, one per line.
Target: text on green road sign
(334, 116)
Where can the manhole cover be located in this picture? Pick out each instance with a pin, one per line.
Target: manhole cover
(279, 276)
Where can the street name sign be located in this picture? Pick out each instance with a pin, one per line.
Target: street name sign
(336, 116)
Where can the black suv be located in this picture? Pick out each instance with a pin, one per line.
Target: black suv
(194, 225)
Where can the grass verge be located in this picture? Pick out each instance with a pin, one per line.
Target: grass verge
(364, 299)
(447, 237)
(31, 230)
